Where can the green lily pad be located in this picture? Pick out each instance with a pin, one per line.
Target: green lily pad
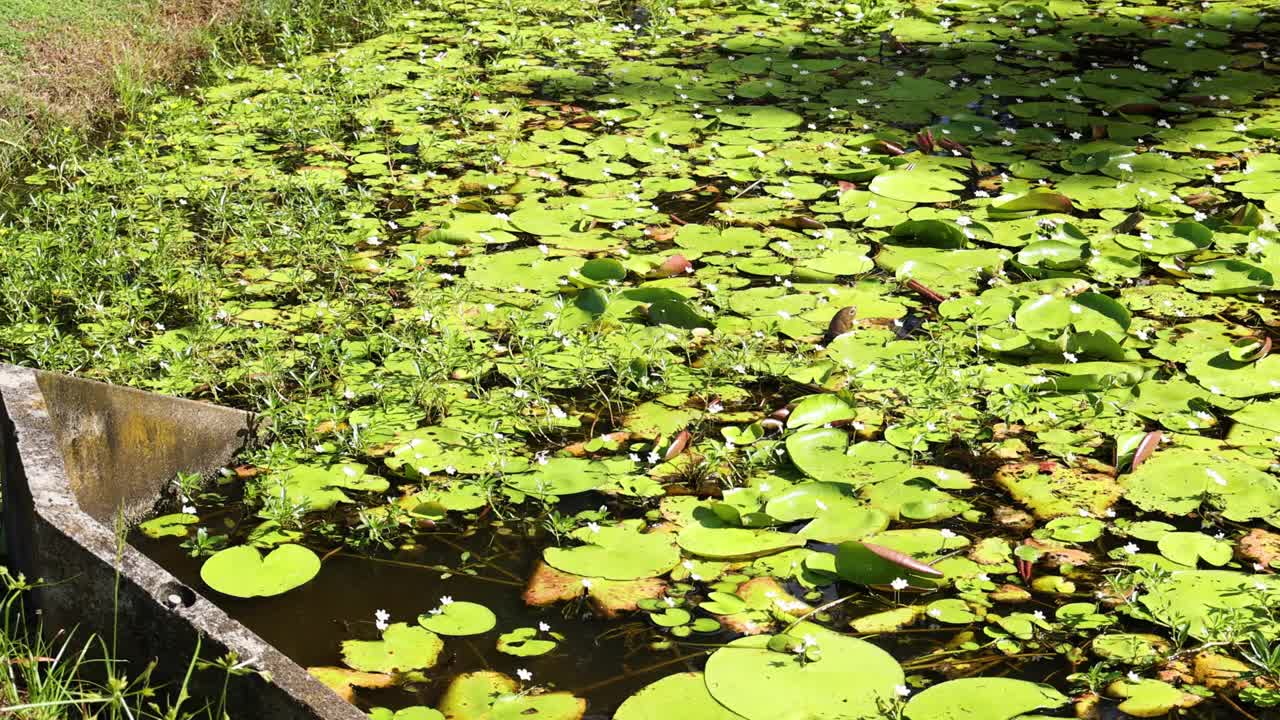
(1130, 648)
(617, 553)
(417, 712)
(172, 525)
(987, 698)
(1189, 548)
(242, 571)
(686, 691)
(852, 678)
(488, 695)
(1196, 599)
(528, 642)
(403, 647)
(734, 543)
(1150, 698)
(459, 618)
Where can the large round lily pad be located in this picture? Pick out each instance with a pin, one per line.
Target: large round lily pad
(990, 698)
(852, 678)
(686, 691)
(242, 571)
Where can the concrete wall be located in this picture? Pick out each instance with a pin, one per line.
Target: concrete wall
(74, 455)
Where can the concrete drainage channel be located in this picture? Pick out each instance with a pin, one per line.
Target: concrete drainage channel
(74, 456)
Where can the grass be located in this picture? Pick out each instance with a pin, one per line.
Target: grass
(72, 69)
(66, 676)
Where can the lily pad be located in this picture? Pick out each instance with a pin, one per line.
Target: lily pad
(852, 678)
(459, 618)
(982, 699)
(403, 647)
(686, 691)
(487, 695)
(242, 571)
(618, 553)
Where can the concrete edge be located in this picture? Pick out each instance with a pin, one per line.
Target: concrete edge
(51, 537)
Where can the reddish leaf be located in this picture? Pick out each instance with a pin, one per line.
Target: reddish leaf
(675, 265)
(924, 139)
(1148, 445)
(890, 148)
(678, 445)
(926, 291)
(903, 560)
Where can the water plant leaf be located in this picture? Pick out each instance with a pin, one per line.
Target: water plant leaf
(1193, 598)
(344, 681)
(852, 678)
(982, 699)
(528, 642)
(1150, 698)
(403, 647)
(1130, 648)
(734, 543)
(320, 488)
(416, 712)
(1059, 490)
(459, 618)
(242, 571)
(1189, 548)
(488, 695)
(687, 691)
(618, 552)
(172, 525)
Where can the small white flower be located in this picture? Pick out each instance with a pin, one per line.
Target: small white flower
(524, 675)
(586, 583)
(899, 584)
(1131, 549)
(1133, 676)
(901, 690)
(446, 600)
(946, 533)
(543, 627)
(380, 618)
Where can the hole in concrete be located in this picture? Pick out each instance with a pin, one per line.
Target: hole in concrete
(177, 595)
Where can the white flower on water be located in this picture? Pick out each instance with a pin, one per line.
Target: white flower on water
(901, 690)
(380, 618)
(1131, 549)
(524, 675)
(899, 584)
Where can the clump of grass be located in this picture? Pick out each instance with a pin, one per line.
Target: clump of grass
(71, 70)
(63, 676)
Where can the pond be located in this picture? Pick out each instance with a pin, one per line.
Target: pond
(764, 360)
